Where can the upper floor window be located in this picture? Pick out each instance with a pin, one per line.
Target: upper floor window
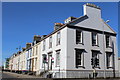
(43, 45)
(29, 53)
(79, 36)
(94, 39)
(33, 51)
(107, 41)
(58, 38)
(36, 50)
(50, 42)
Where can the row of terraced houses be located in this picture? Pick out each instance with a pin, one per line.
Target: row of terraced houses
(76, 48)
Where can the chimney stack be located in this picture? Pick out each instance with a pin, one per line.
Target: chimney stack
(23, 49)
(57, 25)
(36, 39)
(43, 36)
(92, 10)
(28, 45)
(69, 19)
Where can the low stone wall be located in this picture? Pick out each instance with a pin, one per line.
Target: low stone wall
(90, 74)
(80, 74)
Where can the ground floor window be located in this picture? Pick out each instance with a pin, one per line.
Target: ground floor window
(95, 59)
(79, 57)
(44, 60)
(50, 61)
(109, 59)
(57, 58)
(35, 63)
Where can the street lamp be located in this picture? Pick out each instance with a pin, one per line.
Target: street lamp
(107, 21)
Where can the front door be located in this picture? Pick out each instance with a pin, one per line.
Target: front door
(32, 64)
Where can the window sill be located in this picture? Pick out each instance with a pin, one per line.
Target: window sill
(109, 67)
(57, 44)
(97, 67)
(80, 43)
(57, 65)
(108, 46)
(80, 66)
(50, 47)
(95, 45)
(43, 50)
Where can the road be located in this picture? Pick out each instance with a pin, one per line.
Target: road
(15, 76)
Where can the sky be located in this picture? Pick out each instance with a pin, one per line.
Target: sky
(22, 20)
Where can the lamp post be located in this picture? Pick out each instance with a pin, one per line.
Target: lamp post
(104, 50)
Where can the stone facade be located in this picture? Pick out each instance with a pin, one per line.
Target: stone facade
(76, 49)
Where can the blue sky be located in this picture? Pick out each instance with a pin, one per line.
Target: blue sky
(22, 20)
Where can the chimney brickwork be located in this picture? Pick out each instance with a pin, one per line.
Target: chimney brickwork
(92, 10)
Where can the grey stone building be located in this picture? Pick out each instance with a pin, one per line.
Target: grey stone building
(87, 45)
(77, 48)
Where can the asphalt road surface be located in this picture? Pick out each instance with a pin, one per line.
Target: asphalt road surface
(15, 76)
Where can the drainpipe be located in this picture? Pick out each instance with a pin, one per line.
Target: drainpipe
(113, 59)
(104, 50)
(104, 53)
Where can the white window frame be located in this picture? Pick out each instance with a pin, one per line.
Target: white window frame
(30, 52)
(36, 62)
(33, 51)
(50, 42)
(81, 36)
(109, 54)
(44, 44)
(110, 43)
(96, 39)
(96, 52)
(57, 59)
(58, 38)
(36, 50)
(43, 64)
(82, 58)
